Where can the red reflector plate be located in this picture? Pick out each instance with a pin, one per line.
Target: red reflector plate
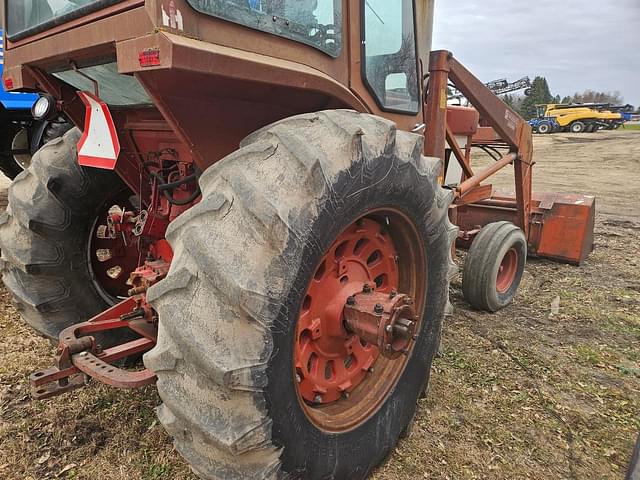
(149, 58)
(99, 145)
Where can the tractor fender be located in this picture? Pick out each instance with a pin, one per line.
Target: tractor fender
(37, 130)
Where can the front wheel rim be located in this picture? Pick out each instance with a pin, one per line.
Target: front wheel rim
(340, 380)
(507, 271)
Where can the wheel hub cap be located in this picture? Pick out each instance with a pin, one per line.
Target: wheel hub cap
(330, 359)
(507, 271)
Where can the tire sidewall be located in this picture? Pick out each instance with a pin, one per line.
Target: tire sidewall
(309, 448)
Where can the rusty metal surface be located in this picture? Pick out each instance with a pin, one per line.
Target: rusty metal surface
(212, 83)
(476, 179)
(557, 226)
(387, 320)
(435, 113)
(78, 352)
(457, 152)
(561, 224)
(105, 372)
(51, 387)
(462, 120)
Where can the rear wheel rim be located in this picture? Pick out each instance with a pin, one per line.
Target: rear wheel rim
(341, 381)
(20, 143)
(109, 260)
(507, 271)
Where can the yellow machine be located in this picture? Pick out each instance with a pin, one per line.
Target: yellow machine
(580, 118)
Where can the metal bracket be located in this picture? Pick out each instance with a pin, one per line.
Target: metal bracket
(79, 357)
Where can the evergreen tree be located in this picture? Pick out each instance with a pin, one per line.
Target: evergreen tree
(592, 96)
(540, 94)
(508, 99)
(566, 99)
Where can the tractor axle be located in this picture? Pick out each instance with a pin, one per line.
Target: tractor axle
(387, 320)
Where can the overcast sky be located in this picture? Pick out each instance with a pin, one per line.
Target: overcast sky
(575, 44)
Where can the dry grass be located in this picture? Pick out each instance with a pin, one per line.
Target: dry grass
(518, 394)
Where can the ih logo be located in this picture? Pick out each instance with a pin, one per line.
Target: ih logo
(99, 145)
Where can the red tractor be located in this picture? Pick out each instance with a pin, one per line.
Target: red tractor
(262, 196)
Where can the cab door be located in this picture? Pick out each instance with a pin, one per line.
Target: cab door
(384, 66)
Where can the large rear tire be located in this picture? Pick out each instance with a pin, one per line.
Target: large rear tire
(244, 258)
(45, 235)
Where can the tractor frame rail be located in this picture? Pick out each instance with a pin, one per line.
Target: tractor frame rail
(79, 356)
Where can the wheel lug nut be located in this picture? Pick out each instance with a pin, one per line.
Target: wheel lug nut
(388, 329)
(366, 288)
(370, 370)
(345, 395)
(393, 293)
(351, 300)
(318, 399)
(378, 308)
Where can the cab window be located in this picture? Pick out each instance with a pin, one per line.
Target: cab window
(27, 17)
(389, 55)
(314, 22)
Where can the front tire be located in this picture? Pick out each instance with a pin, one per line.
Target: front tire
(45, 233)
(494, 266)
(244, 258)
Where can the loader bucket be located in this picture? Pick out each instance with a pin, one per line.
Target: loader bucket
(561, 225)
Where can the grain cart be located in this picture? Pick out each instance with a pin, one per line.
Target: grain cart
(249, 200)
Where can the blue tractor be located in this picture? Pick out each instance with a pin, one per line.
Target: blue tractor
(544, 125)
(21, 135)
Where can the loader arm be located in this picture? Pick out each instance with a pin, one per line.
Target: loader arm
(558, 226)
(512, 129)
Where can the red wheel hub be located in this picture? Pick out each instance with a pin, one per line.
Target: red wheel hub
(507, 271)
(331, 361)
(113, 258)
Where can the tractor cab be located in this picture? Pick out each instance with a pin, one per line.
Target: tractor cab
(541, 111)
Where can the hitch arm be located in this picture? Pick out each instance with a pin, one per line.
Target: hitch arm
(78, 355)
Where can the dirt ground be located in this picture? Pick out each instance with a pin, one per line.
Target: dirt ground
(522, 394)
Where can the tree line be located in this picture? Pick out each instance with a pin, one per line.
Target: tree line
(541, 94)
